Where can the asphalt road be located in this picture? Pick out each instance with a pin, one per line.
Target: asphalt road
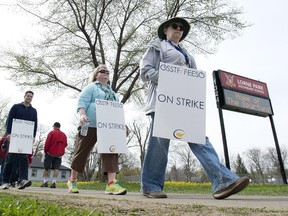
(238, 201)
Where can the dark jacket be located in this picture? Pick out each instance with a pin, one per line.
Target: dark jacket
(20, 111)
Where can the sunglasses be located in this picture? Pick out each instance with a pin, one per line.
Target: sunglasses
(176, 26)
(103, 71)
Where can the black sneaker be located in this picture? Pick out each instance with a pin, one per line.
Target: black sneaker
(53, 185)
(24, 183)
(234, 188)
(44, 184)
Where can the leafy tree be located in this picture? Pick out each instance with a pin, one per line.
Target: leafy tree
(240, 168)
(76, 36)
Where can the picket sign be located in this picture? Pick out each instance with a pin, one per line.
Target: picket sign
(22, 136)
(111, 129)
(180, 104)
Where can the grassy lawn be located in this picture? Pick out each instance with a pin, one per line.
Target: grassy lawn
(185, 187)
(24, 205)
(17, 205)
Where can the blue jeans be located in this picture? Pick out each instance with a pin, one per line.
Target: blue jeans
(15, 163)
(156, 158)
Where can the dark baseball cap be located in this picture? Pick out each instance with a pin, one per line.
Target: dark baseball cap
(57, 124)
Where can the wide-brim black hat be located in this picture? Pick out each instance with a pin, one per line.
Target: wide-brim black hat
(184, 22)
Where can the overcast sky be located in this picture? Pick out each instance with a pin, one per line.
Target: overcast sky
(260, 53)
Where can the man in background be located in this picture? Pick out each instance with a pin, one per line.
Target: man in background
(16, 161)
(54, 149)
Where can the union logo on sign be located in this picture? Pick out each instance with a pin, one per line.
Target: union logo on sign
(179, 133)
(112, 148)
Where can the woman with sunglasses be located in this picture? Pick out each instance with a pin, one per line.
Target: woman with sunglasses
(166, 49)
(99, 88)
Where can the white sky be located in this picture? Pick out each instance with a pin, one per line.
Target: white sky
(260, 54)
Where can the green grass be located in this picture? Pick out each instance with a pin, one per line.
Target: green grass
(17, 205)
(185, 187)
(25, 205)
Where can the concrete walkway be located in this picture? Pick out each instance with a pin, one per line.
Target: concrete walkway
(236, 201)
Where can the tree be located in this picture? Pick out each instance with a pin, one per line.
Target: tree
(76, 36)
(79, 35)
(257, 164)
(40, 139)
(141, 134)
(186, 158)
(173, 175)
(240, 168)
(271, 157)
(3, 114)
(129, 166)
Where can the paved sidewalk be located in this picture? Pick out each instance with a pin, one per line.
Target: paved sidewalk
(238, 201)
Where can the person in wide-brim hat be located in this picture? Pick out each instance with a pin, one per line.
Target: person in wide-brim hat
(162, 51)
(167, 23)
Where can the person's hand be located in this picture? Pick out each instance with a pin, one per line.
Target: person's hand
(8, 137)
(83, 118)
(5, 145)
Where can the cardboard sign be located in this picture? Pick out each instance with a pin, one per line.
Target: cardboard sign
(21, 137)
(111, 129)
(181, 104)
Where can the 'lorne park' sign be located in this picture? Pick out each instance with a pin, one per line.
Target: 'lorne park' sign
(241, 94)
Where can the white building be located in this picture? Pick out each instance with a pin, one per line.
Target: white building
(36, 170)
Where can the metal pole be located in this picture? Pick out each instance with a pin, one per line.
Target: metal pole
(224, 138)
(282, 169)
